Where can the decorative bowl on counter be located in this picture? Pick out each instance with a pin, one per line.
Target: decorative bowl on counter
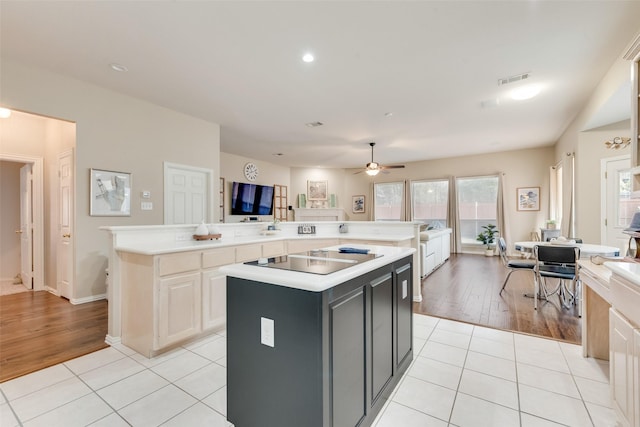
(207, 236)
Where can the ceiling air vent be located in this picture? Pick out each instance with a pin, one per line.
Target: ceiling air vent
(513, 79)
(314, 124)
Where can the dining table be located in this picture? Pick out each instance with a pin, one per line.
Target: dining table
(587, 250)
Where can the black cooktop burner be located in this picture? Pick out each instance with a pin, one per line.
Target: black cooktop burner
(316, 261)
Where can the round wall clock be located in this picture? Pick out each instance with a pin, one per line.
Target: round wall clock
(251, 171)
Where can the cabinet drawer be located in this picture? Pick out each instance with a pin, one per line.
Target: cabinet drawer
(271, 249)
(248, 253)
(217, 257)
(178, 263)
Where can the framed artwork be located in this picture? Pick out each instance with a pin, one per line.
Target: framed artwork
(528, 198)
(357, 205)
(110, 193)
(317, 190)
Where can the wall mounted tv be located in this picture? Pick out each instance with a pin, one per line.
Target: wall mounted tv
(251, 199)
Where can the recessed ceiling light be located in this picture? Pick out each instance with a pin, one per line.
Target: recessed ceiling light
(307, 57)
(118, 67)
(525, 92)
(389, 114)
(5, 113)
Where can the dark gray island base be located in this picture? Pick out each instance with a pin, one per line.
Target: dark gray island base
(336, 356)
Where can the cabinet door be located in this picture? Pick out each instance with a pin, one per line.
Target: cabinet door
(621, 365)
(179, 310)
(446, 247)
(382, 333)
(348, 359)
(214, 299)
(636, 375)
(404, 313)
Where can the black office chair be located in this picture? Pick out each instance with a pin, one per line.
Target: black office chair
(558, 262)
(512, 264)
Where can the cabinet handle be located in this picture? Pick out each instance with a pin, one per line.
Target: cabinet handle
(19, 231)
(66, 235)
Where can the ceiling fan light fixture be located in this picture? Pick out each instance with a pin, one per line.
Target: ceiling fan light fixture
(372, 172)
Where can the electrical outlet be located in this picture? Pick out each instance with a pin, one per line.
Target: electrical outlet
(267, 333)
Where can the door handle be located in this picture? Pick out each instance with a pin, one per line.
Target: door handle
(19, 231)
(66, 235)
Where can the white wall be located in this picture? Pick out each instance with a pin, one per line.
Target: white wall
(114, 132)
(10, 219)
(590, 151)
(232, 169)
(588, 146)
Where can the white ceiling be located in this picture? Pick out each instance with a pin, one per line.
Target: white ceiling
(430, 63)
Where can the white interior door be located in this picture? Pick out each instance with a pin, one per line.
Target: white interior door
(187, 194)
(618, 206)
(26, 225)
(64, 255)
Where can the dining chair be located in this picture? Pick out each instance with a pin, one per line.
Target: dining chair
(558, 262)
(512, 264)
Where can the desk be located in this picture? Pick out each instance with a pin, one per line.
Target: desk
(586, 250)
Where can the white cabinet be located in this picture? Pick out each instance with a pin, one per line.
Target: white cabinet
(178, 308)
(214, 299)
(624, 351)
(436, 249)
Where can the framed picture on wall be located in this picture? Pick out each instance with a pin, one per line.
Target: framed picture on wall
(528, 198)
(357, 205)
(110, 193)
(317, 190)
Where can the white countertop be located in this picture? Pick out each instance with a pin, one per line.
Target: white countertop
(318, 282)
(159, 248)
(432, 234)
(627, 270)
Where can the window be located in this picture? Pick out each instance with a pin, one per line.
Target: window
(627, 206)
(388, 197)
(429, 201)
(477, 205)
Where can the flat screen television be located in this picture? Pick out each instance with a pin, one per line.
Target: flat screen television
(251, 199)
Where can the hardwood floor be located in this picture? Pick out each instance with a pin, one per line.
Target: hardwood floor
(467, 287)
(38, 330)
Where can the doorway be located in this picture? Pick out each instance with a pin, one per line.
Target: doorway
(26, 207)
(187, 194)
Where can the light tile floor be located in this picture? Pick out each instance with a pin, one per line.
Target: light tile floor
(462, 375)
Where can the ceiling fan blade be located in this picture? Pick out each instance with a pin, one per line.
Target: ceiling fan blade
(392, 167)
(355, 173)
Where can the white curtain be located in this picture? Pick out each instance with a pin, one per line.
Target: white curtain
(502, 216)
(568, 227)
(454, 217)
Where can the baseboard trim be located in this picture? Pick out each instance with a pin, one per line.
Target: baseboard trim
(111, 340)
(85, 300)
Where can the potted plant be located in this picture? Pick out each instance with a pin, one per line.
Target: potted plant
(551, 224)
(488, 238)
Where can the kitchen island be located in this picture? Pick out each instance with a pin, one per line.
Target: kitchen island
(309, 349)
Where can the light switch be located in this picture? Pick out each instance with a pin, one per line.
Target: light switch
(267, 332)
(146, 206)
(146, 194)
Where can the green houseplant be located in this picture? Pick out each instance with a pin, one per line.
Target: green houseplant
(488, 238)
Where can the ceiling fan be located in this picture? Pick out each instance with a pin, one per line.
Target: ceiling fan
(373, 168)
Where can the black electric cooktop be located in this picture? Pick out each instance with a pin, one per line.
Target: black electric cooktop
(315, 261)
